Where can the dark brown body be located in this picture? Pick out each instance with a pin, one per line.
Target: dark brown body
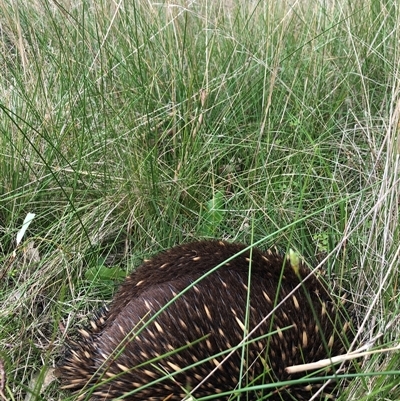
(123, 351)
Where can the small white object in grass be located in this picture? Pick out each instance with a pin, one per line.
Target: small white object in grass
(28, 219)
(336, 359)
(294, 260)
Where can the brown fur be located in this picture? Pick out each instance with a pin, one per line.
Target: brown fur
(121, 353)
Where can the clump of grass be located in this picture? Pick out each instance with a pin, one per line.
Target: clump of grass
(121, 122)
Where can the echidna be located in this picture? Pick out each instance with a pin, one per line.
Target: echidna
(231, 333)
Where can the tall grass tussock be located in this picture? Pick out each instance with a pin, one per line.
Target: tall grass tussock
(128, 127)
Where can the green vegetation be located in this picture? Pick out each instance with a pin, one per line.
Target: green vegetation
(131, 126)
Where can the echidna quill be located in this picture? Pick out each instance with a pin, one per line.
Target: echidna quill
(223, 337)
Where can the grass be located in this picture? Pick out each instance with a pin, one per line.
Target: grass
(128, 127)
